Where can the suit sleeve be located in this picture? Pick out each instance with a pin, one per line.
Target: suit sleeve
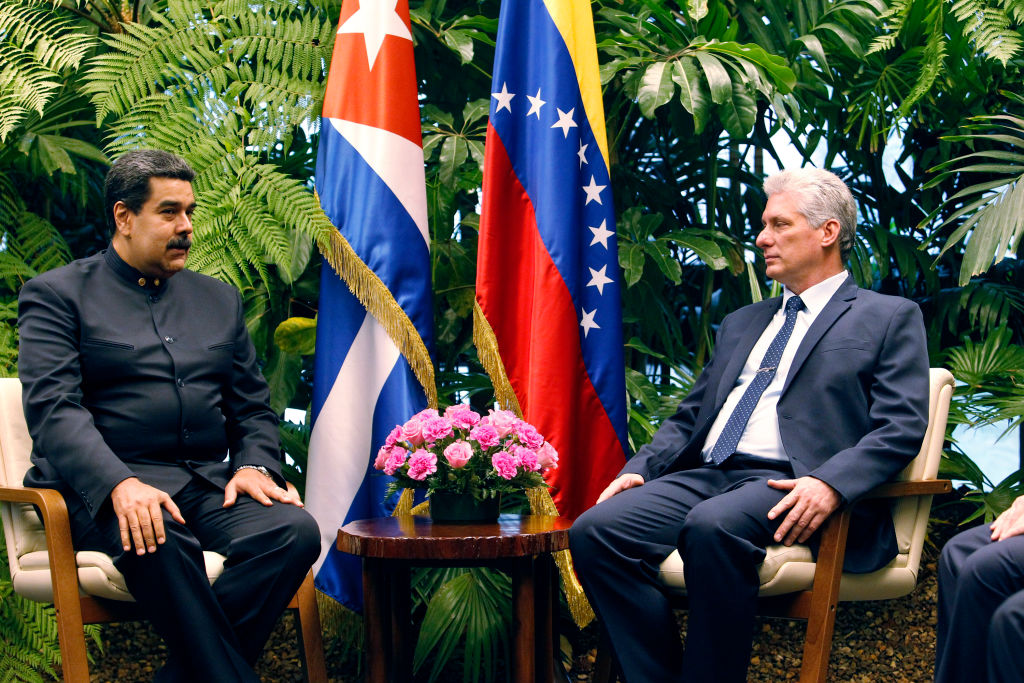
(62, 429)
(251, 423)
(898, 412)
(674, 433)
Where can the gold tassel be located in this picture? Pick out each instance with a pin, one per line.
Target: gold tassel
(582, 613)
(374, 295)
(490, 357)
(404, 504)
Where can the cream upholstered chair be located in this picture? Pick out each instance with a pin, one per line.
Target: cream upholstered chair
(793, 585)
(84, 587)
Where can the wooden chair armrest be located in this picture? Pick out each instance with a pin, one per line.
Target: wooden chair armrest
(898, 489)
(63, 566)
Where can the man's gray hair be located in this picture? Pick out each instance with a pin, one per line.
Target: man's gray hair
(821, 196)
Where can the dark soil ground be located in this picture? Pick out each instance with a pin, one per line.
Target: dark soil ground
(891, 641)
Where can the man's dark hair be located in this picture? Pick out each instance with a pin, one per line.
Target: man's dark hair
(128, 179)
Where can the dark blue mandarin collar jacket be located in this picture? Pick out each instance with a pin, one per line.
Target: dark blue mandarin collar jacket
(125, 375)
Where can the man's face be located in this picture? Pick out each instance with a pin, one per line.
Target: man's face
(794, 251)
(156, 240)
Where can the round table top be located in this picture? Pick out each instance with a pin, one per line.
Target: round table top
(411, 537)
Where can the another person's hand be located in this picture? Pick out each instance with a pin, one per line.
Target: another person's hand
(257, 485)
(1010, 522)
(810, 501)
(626, 481)
(139, 516)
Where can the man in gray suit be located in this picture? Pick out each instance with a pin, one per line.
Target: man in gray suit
(148, 412)
(810, 400)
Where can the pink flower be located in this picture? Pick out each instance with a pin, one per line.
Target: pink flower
(528, 435)
(462, 416)
(458, 454)
(504, 464)
(412, 431)
(435, 428)
(486, 435)
(426, 414)
(382, 456)
(422, 463)
(502, 420)
(526, 458)
(547, 456)
(396, 458)
(393, 437)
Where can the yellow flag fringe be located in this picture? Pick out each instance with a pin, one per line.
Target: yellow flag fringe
(376, 298)
(540, 498)
(490, 357)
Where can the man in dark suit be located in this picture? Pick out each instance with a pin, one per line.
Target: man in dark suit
(148, 412)
(810, 400)
(980, 633)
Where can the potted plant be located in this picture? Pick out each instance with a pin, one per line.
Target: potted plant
(465, 461)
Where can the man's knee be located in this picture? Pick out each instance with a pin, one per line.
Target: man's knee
(1008, 622)
(584, 534)
(301, 535)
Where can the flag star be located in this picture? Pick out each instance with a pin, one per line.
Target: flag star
(582, 154)
(588, 322)
(504, 99)
(598, 278)
(565, 121)
(601, 234)
(376, 19)
(535, 104)
(593, 191)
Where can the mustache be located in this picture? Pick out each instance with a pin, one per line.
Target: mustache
(180, 242)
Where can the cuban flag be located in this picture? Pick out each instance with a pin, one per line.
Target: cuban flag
(374, 326)
(549, 313)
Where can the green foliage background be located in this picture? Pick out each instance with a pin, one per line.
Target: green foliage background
(697, 95)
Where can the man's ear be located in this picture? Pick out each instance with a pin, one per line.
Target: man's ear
(124, 220)
(829, 233)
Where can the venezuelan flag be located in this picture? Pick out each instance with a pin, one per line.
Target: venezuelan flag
(549, 314)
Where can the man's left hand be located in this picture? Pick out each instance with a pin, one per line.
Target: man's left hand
(810, 501)
(259, 486)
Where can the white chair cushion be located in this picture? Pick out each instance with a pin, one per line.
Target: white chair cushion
(791, 569)
(97, 575)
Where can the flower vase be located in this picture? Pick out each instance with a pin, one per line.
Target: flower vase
(462, 508)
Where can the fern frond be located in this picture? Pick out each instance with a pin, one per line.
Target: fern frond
(894, 20)
(38, 49)
(989, 26)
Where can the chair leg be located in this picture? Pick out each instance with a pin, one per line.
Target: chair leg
(310, 636)
(821, 619)
(605, 669)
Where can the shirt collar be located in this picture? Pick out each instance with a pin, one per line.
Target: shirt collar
(816, 296)
(129, 274)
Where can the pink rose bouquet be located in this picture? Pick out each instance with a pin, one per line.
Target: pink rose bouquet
(462, 452)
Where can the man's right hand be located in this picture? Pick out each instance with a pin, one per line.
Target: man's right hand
(139, 517)
(626, 481)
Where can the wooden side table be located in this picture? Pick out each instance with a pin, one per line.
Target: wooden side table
(519, 544)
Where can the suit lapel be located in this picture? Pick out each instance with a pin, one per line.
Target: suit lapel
(834, 309)
(755, 327)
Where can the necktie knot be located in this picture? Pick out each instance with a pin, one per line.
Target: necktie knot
(794, 305)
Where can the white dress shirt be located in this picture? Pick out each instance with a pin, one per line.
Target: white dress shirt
(762, 438)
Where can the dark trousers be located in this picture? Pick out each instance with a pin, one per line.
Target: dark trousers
(981, 609)
(213, 633)
(717, 518)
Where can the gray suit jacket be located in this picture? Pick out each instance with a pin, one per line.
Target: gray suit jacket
(853, 410)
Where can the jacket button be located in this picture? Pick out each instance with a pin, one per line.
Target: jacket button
(180, 382)
(169, 340)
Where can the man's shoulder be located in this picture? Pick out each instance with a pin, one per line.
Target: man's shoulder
(198, 282)
(67, 276)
